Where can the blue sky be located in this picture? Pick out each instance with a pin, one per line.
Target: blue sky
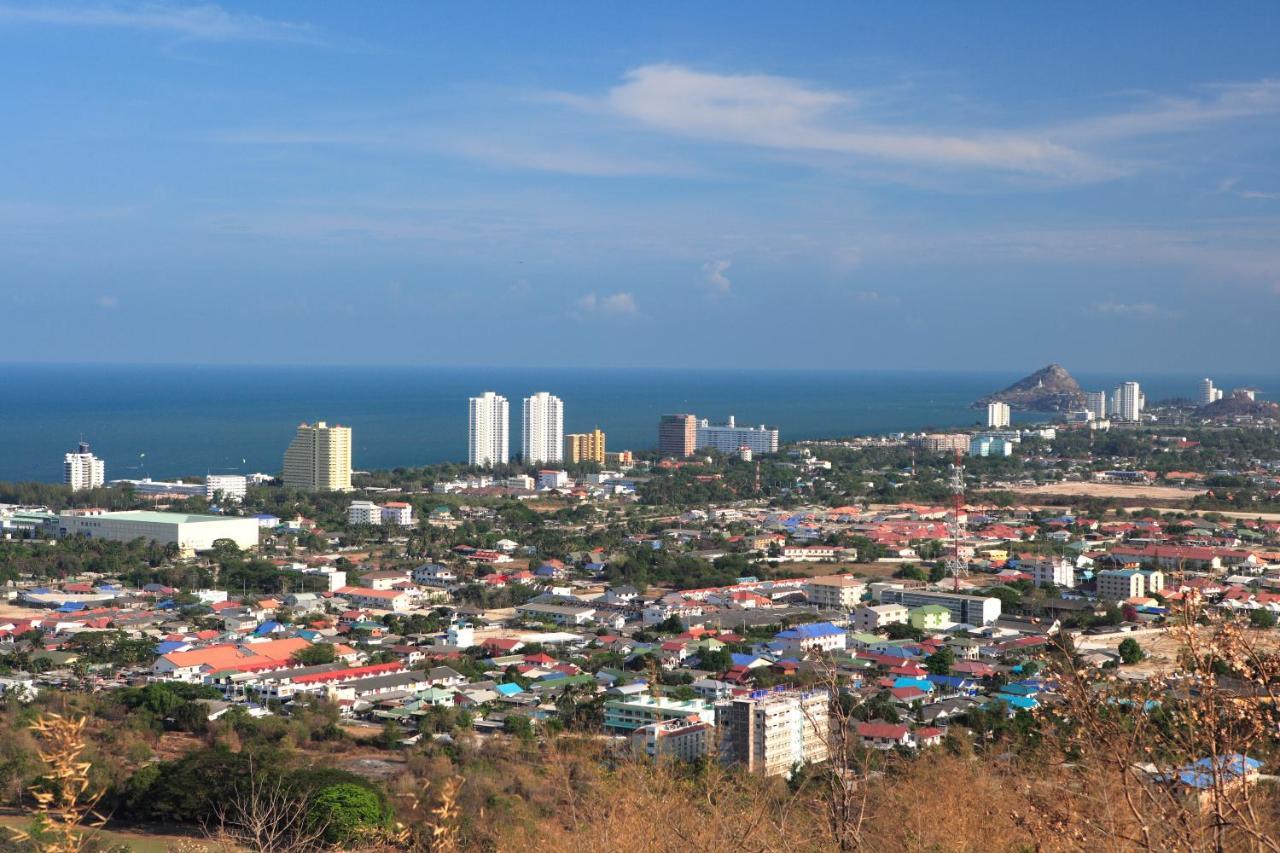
(844, 185)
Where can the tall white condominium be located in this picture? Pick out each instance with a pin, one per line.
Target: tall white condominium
(543, 429)
(319, 458)
(1208, 393)
(1096, 403)
(1128, 403)
(997, 415)
(487, 434)
(82, 470)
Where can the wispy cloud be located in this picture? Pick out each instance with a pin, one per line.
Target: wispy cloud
(1132, 310)
(107, 301)
(204, 22)
(790, 115)
(619, 304)
(714, 275)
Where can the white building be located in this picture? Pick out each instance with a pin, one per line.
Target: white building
(1126, 403)
(997, 415)
(771, 732)
(364, 512)
(967, 609)
(1208, 393)
(82, 470)
(1096, 403)
(552, 479)
(487, 436)
(835, 592)
(397, 513)
(870, 618)
(543, 429)
(232, 487)
(1059, 572)
(990, 445)
(189, 532)
(1121, 584)
(731, 438)
(684, 739)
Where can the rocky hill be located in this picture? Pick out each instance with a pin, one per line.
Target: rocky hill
(1050, 389)
(1239, 405)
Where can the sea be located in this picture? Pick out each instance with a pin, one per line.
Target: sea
(174, 421)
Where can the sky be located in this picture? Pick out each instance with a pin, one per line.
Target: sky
(836, 185)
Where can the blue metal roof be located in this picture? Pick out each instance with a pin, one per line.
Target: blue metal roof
(809, 632)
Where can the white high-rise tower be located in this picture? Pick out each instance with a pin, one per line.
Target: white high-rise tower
(1096, 403)
(82, 470)
(1208, 393)
(1129, 401)
(543, 429)
(488, 427)
(997, 415)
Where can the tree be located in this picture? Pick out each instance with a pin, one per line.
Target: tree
(941, 661)
(1130, 651)
(1262, 619)
(316, 654)
(342, 812)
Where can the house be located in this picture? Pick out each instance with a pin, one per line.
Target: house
(434, 574)
(817, 636)
(875, 617)
(395, 600)
(557, 614)
(878, 735)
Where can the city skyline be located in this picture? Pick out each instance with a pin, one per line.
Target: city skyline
(916, 173)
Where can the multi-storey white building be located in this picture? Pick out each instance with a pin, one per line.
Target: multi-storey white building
(488, 430)
(731, 438)
(835, 592)
(364, 512)
(771, 732)
(685, 739)
(968, 609)
(1096, 403)
(543, 429)
(875, 617)
(82, 470)
(1050, 571)
(1208, 393)
(232, 487)
(1126, 403)
(997, 415)
(398, 513)
(1121, 584)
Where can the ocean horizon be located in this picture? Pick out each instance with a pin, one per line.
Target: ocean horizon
(165, 421)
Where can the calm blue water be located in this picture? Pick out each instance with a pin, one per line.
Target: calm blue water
(193, 420)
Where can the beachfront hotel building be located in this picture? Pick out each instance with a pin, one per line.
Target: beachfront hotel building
(730, 438)
(82, 470)
(543, 429)
(677, 435)
(584, 447)
(487, 442)
(319, 458)
(232, 487)
(997, 415)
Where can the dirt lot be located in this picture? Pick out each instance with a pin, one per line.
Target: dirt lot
(1117, 491)
(13, 611)
(1161, 649)
(867, 570)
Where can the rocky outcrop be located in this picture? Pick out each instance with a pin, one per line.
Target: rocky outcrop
(1050, 389)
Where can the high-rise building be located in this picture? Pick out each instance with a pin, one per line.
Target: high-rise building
(729, 437)
(1127, 405)
(771, 732)
(488, 429)
(584, 447)
(997, 415)
(677, 435)
(319, 458)
(1095, 402)
(1208, 393)
(543, 429)
(82, 470)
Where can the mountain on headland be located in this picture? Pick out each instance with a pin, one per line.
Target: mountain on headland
(1050, 389)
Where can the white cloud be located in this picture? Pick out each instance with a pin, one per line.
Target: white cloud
(207, 22)
(786, 114)
(107, 301)
(1167, 114)
(619, 304)
(1132, 310)
(715, 275)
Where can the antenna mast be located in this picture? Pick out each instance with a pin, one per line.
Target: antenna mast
(956, 566)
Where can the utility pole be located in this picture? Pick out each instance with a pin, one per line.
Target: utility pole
(957, 567)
